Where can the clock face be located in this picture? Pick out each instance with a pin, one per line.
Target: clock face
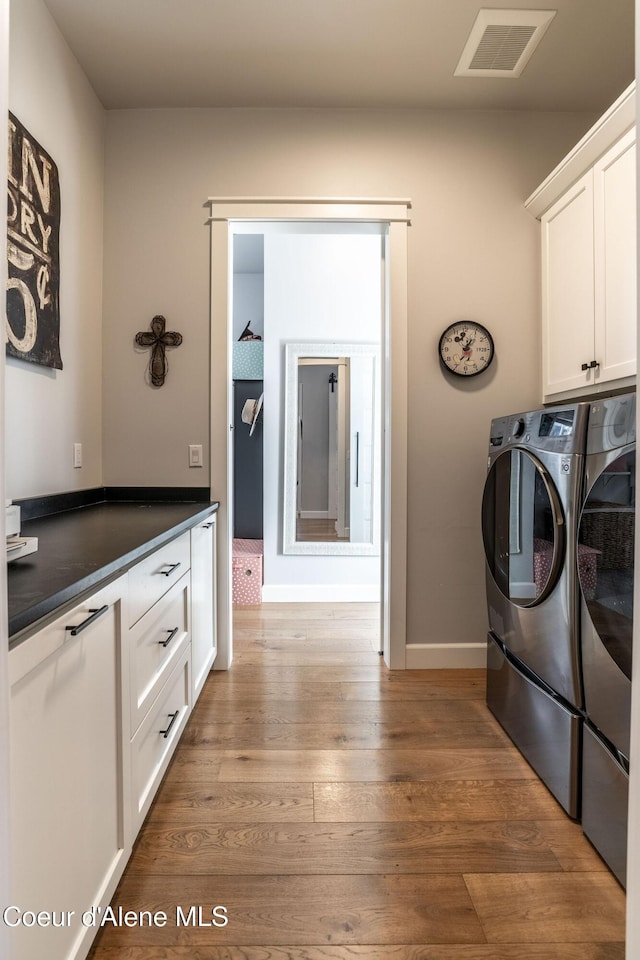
(466, 348)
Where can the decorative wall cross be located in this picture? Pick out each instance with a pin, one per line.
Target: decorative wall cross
(158, 339)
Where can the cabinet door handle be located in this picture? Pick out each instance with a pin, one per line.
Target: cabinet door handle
(594, 363)
(94, 614)
(584, 366)
(172, 633)
(174, 717)
(207, 526)
(172, 568)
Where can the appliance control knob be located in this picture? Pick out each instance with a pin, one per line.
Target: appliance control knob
(518, 428)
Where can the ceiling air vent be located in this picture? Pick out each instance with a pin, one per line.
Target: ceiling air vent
(501, 42)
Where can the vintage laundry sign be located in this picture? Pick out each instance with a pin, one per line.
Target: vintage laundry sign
(33, 249)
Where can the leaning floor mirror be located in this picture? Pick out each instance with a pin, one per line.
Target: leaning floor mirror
(332, 456)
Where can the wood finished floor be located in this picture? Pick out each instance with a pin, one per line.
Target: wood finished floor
(343, 812)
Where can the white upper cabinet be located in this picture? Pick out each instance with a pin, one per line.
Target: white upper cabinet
(587, 209)
(568, 308)
(614, 194)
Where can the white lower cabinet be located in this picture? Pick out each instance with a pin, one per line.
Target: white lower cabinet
(159, 644)
(67, 807)
(158, 735)
(99, 700)
(152, 577)
(155, 643)
(203, 602)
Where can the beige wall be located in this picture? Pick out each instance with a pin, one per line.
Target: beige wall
(473, 253)
(47, 411)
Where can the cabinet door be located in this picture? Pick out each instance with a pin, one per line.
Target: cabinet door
(66, 773)
(567, 290)
(614, 188)
(203, 601)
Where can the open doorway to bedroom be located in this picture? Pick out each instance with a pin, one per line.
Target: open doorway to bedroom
(230, 216)
(307, 325)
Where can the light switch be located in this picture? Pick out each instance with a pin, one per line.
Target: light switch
(195, 455)
(77, 455)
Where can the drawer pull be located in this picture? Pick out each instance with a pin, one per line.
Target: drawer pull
(172, 568)
(172, 633)
(207, 526)
(95, 613)
(174, 717)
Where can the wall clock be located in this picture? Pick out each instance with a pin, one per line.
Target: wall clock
(466, 348)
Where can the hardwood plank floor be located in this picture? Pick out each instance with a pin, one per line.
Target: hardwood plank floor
(340, 811)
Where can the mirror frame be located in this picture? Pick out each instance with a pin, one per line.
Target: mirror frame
(293, 353)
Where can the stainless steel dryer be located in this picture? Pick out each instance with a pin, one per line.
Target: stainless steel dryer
(606, 599)
(529, 520)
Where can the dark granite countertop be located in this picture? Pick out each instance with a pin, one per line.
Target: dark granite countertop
(80, 550)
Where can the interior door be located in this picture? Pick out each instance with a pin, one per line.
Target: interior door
(522, 528)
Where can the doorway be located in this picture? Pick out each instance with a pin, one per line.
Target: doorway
(228, 216)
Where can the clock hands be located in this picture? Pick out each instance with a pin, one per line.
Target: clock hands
(466, 347)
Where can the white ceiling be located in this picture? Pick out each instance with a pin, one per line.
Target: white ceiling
(338, 53)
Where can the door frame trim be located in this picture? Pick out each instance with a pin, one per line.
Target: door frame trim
(394, 214)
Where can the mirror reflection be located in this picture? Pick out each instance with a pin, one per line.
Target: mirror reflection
(331, 449)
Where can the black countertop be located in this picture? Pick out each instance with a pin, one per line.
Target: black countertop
(82, 549)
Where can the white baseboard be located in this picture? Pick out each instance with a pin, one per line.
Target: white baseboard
(446, 656)
(320, 593)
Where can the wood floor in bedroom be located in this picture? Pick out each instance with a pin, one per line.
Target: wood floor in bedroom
(339, 811)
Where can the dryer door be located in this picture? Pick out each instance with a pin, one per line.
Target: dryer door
(605, 567)
(522, 527)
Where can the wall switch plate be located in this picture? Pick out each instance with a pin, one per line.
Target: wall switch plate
(77, 455)
(195, 455)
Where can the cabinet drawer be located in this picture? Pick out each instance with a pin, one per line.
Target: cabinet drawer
(158, 735)
(152, 577)
(86, 615)
(155, 643)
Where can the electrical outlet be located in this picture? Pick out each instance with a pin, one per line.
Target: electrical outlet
(77, 455)
(195, 455)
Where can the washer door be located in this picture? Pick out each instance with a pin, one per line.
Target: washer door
(605, 557)
(522, 527)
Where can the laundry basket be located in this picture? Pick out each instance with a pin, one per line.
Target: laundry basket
(247, 571)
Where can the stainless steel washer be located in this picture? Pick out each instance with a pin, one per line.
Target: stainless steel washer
(606, 528)
(529, 520)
